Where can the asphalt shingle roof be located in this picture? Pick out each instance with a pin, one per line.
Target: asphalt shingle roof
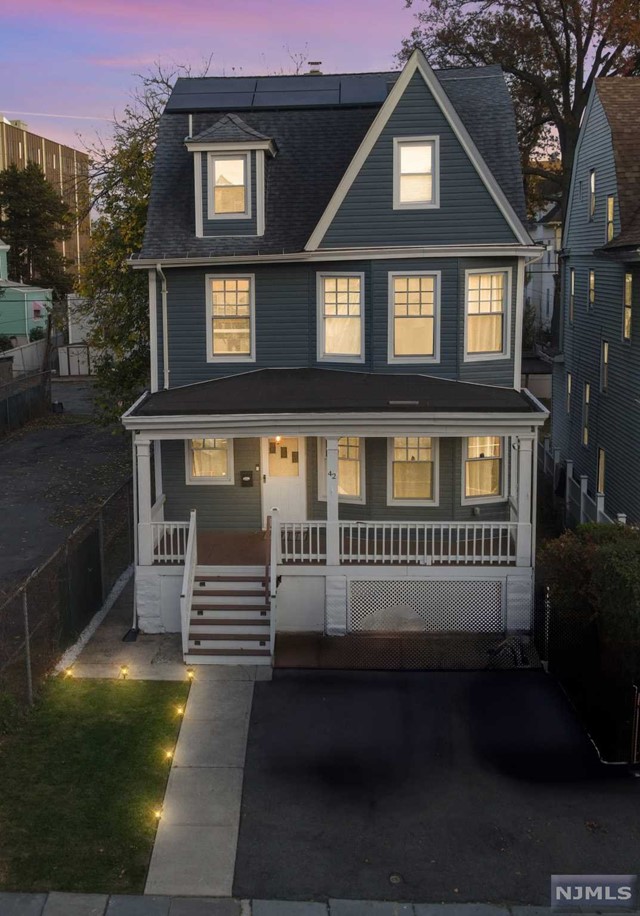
(229, 129)
(327, 390)
(620, 97)
(299, 181)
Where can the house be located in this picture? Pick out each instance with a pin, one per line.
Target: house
(540, 285)
(65, 168)
(335, 440)
(596, 383)
(22, 307)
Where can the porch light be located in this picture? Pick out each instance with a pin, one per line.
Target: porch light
(124, 671)
(278, 439)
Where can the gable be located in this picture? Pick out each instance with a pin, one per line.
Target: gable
(468, 212)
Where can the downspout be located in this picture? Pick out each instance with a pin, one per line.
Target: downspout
(26, 318)
(134, 625)
(165, 326)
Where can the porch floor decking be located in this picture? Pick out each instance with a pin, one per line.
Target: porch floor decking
(232, 548)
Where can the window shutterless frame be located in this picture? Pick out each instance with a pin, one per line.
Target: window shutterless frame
(572, 293)
(592, 195)
(249, 357)
(568, 394)
(601, 470)
(212, 158)
(627, 307)
(191, 480)
(586, 400)
(435, 472)
(610, 215)
(505, 353)
(322, 471)
(417, 358)
(483, 500)
(591, 290)
(434, 202)
(322, 355)
(604, 366)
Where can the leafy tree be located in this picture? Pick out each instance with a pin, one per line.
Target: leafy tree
(33, 220)
(551, 52)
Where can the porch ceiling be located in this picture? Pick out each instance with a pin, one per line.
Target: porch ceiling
(311, 391)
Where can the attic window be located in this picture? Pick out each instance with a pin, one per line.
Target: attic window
(415, 184)
(229, 187)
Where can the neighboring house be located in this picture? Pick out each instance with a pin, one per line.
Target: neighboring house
(22, 307)
(336, 274)
(596, 379)
(76, 357)
(540, 287)
(65, 168)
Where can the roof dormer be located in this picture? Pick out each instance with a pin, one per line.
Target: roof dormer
(229, 167)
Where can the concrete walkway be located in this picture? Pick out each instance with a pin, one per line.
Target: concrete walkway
(195, 848)
(100, 905)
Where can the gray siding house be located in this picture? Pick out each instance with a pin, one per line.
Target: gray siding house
(596, 381)
(335, 440)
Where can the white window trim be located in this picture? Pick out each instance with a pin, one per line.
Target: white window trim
(211, 158)
(393, 501)
(483, 500)
(322, 357)
(408, 360)
(228, 480)
(239, 358)
(435, 173)
(506, 325)
(322, 473)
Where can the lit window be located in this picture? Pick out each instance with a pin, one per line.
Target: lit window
(412, 469)
(592, 289)
(601, 470)
(416, 173)
(604, 366)
(231, 319)
(483, 468)
(628, 299)
(569, 384)
(610, 204)
(413, 317)
(572, 293)
(592, 194)
(340, 310)
(350, 469)
(209, 461)
(228, 176)
(486, 309)
(586, 398)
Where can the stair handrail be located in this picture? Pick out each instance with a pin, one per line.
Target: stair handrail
(273, 528)
(186, 595)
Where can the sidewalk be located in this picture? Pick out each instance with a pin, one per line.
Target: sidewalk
(100, 905)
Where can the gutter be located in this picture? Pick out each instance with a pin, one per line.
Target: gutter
(165, 325)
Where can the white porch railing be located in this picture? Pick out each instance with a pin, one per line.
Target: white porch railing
(408, 543)
(169, 541)
(273, 559)
(190, 563)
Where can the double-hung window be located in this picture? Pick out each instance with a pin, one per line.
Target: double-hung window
(601, 469)
(610, 212)
(229, 196)
(209, 461)
(592, 194)
(572, 293)
(591, 300)
(341, 317)
(586, 399)
(569, 385)
(413, 317)
(351, 481)
(483, 468)
(230, 319)
(487, 314)
(415, 173)
(604, 366)
(627, 306)
(412, 471)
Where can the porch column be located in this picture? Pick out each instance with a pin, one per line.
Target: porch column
(525, 478)
(143, 471)
(333, 532)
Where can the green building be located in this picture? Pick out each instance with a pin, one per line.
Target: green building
(22, 307)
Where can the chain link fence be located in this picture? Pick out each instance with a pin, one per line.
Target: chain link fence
(49, 610)
(23, 399)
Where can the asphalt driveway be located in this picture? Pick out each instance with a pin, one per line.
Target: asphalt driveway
(470, 786)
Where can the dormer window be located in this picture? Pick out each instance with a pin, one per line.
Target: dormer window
(229, 183)
(415, 173)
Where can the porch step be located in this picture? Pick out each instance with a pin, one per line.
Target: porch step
(230, 572)
(219, 578)
(236, 611)
(245, 653)
(227, 657)
(232, 640)
(228, 592)
(229, 622)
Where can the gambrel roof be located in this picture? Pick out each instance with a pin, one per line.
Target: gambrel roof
(317, 124)
(620, 97)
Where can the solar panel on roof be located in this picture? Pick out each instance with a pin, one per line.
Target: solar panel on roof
(297, 99)
(210, 101)
(297, 83)
(215, 84)
(356, 90)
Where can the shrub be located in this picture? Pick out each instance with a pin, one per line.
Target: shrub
(5, 343)
(36, 333)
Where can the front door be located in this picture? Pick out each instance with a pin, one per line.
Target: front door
(284, 479)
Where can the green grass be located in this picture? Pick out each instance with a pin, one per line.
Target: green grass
(80, 778)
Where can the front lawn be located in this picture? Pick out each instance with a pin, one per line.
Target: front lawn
(80, 779)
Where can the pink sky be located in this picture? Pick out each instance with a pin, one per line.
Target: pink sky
(77, 57)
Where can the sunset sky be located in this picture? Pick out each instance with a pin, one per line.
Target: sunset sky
(78, 57)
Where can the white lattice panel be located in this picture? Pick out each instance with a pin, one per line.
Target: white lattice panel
(425, 606)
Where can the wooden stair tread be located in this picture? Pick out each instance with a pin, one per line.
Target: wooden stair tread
(250, 653)
(230, 607)
(228, 593)
(235, 637)
(207, 578)
(228, 622)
